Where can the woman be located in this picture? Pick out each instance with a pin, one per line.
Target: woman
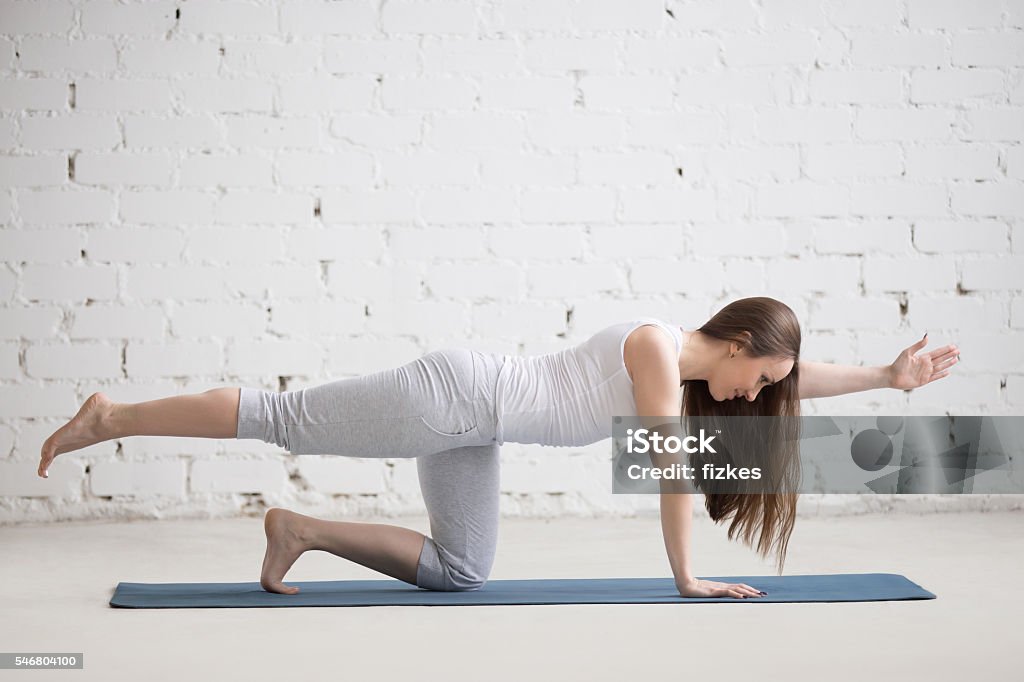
(452, 410)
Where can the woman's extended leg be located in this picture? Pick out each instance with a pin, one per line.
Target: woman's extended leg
(212, 414)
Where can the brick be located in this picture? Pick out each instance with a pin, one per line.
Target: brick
(961, 236)
(660, 129)
(73, 361)
(953, 313)
(802, 199)
(74, 131)
(437, 242)
(577, 280)
(528, 93)
(33, 16)
(669, 53)
(245, 169)
(620, 93)
(229, 17)
(560, 131)
(817, 124)
(449, 17)
(909, 274)
(273, 207)
(459, 206)
(106, 17)
(899, 199)
(999, 274)
(141, 168)
(997, 199)
(167, 57)
(995, 124)
(572, 205)
(662, 205)
(957, 162)
(266, 132)
(476, 281)
(898, 49)
(658, 276)
(311, 17)
(860, 87)
(470, 55)
(953, 14)
(139, 479)
(639, 241)
(837, 276)
(976, 49)
(538, 242)
(825, 162)
(46, 54)
(68, 283)
(378, 131)
(179, 132)
(312, 319)
(157, 207)
(343, 475)
(153, 245)
(19, 479)
(476, 131)
(110, 322)
(35, 94)
(335, 243)
(863, 237)
(770, 49)
(544, 54)
(854, 313)
(237, 476)
(904, 125)
(520, 319)
(30, 322)
(954, 85)
(229, 95)
(33, 171)
(170, 359)
(357, 55)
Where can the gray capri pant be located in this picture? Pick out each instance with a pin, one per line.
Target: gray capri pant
(439, 409)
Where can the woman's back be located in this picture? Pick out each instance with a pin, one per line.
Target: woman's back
(569, 397)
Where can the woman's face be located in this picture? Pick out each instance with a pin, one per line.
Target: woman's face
(742, 376)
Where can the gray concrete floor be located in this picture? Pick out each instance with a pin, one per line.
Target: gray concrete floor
(56, 581)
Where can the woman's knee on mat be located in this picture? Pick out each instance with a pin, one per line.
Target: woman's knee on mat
(437, 569)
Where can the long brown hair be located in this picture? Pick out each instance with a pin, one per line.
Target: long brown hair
(764, 327)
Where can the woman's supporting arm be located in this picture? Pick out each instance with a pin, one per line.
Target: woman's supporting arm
(824, 379)
(650, 356)
(676, 522)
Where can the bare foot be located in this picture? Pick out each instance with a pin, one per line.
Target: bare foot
(284, 545)
(88, 427)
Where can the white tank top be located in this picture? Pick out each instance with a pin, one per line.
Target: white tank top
(570, 397)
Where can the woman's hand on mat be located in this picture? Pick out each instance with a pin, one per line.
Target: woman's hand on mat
(695, 587)
(913, 371)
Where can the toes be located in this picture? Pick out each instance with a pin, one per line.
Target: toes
(281, 588)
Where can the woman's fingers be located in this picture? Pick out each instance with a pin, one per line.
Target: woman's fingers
(944, 352)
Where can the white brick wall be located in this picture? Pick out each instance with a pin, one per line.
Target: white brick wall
(224, 193)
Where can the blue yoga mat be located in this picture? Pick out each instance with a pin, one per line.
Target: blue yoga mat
(790, 588)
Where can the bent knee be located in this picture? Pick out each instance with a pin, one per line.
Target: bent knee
(462, 582)
(437, 569)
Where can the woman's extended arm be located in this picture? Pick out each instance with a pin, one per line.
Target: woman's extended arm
(908, 371)
(824, 379)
